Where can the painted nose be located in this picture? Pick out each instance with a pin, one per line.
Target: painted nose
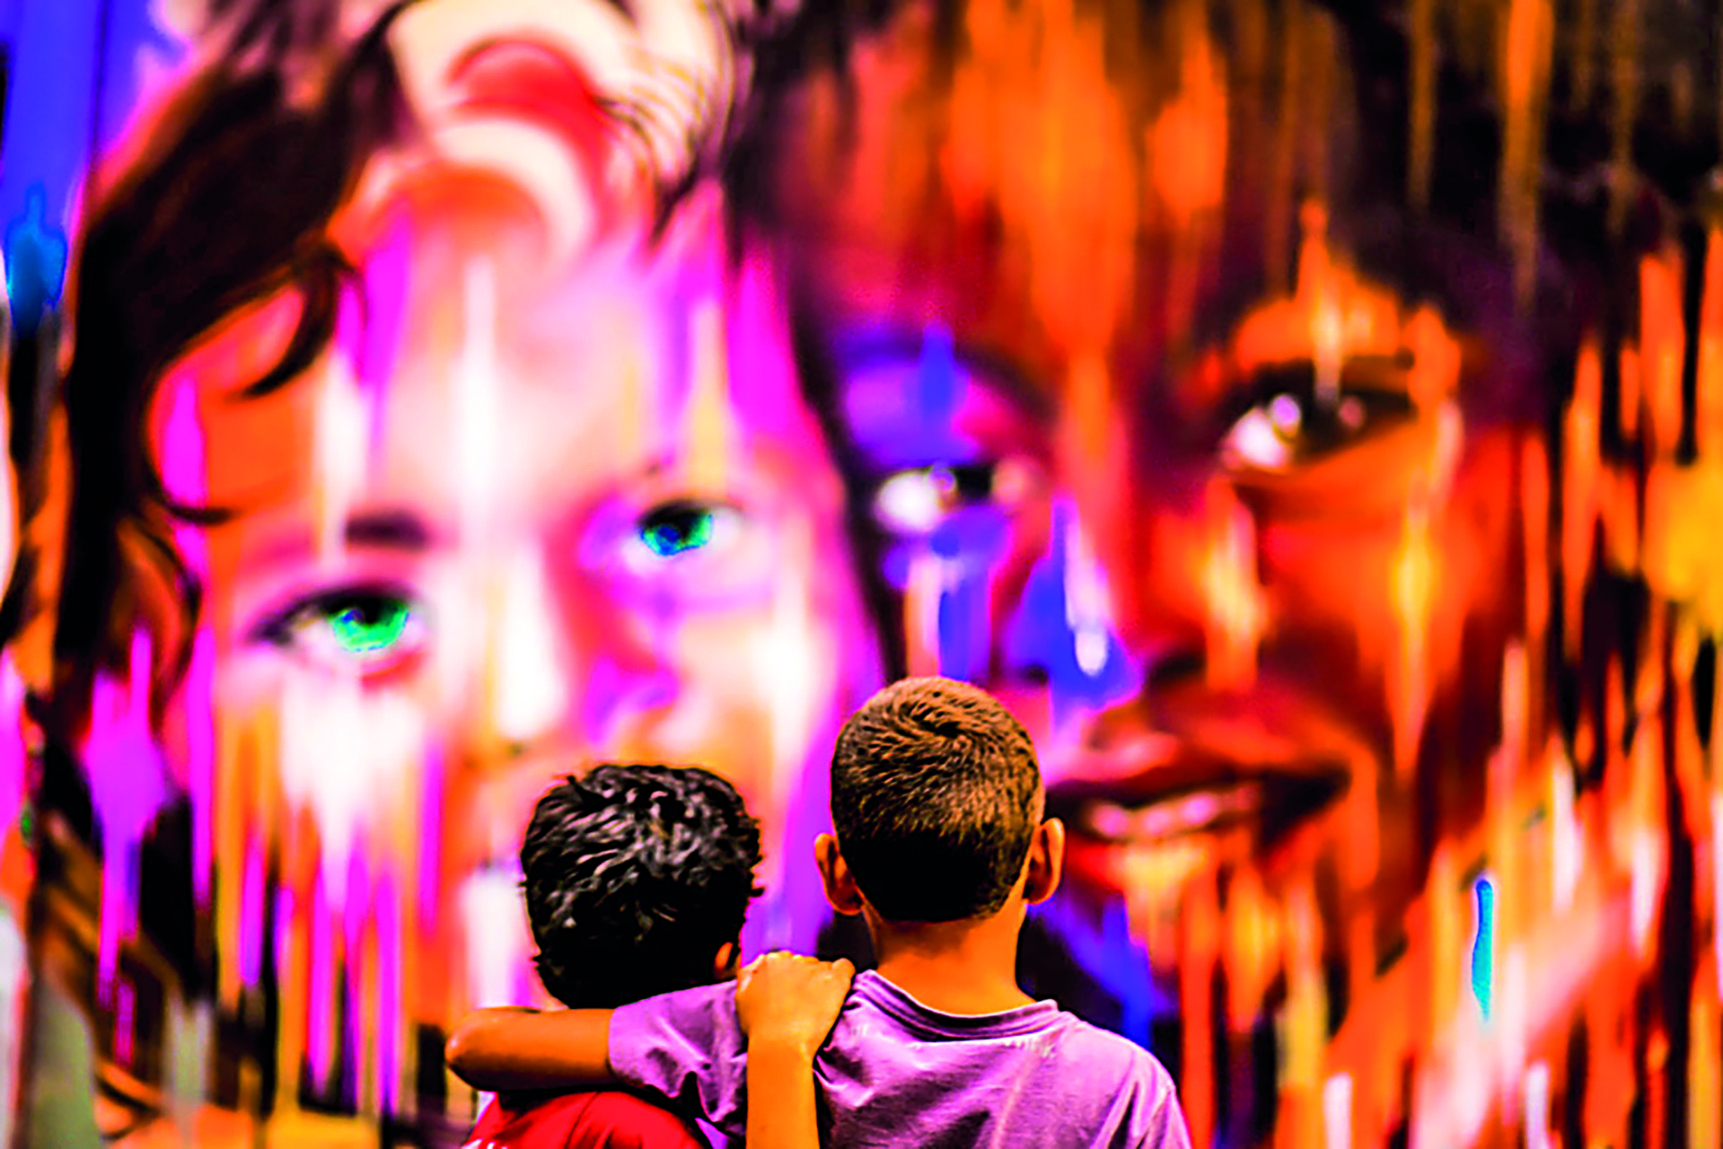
(1063, 626)
(525, 666)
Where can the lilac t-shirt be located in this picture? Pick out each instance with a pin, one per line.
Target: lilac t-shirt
(897, 1073)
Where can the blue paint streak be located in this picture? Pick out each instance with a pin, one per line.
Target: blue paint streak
(36, 253)
(904, 413)
(1118, 963)
(1041, 637)
(62, 63)
(48, 104)
(131, 31)
(971, 541)
(1483, 947)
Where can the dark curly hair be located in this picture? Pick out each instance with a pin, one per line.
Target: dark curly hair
(935, 797)
(635, 877)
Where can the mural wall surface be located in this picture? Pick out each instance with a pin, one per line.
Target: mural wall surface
(1306, 416)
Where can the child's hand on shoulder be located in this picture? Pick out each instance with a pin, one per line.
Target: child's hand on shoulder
(789, 1002)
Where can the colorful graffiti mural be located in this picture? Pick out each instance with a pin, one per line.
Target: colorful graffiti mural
(1306, 417)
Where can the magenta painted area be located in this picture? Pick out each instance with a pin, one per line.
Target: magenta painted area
(128, 787)
(390, 1020)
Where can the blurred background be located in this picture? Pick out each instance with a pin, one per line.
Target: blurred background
(1307, 416)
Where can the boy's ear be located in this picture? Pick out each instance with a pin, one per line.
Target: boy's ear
(1046, 861)
(841, 889)
(726, 960)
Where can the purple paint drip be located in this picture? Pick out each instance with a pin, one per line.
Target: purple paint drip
(124, 1013)
(182, 463)
(13, 761)
(1040, 635)
(389, 1023)
(198, 690)
(251, 916)
(321, 985)
(370, 327)
(430, 839)
(127, 789)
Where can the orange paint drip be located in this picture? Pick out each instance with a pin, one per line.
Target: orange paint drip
(1187, 141)
(1187, 158)
(1525, 69)
(710, 432)
(1709, 407)
(1624, 76)
(1306, 1023)
(1321, 75)
(230, 770)
(1436, 360)
(922, 594)
(1237, 612)
(1535, 517)
(1581, 482)
(1333, 316)
(1201, 919)
(1502, 817)
(1705, 1064)
(1621, 519)
(1627, 413)
(1060, 164)
(1446, 940)
(1663, 343)
(1421, 133)
(1414, 573)
(1277, 231)
(1253, 949)
(1689, 753)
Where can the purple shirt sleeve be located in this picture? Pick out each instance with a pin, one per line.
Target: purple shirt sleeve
(1159, 1118)
(688, 1048)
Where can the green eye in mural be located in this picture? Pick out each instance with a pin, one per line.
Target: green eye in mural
(348, 628)
(370, 627)
(678, 528)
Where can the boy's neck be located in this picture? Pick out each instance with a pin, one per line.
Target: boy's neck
(965, 968)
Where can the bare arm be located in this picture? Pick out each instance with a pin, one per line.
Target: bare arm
(518, 1050)
(787, 1006)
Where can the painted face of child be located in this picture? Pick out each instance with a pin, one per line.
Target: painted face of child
(547, 497)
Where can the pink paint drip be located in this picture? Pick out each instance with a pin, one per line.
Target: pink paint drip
(123, 1017)
(389, 1025)
(13, 761)
(357, 908)
(430, 841)
(320, 1004)
(251, 916)
(198, 691)
(182, 463)
(284, 908)
(127, 789)
(763, 383)
(356, 912)
(369, 328)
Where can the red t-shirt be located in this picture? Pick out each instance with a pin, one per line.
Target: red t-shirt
(602, 1120)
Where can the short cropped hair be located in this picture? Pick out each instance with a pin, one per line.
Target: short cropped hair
(635, 876)
(935, 797)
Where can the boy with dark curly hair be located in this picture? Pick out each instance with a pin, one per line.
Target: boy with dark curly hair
(637, 880)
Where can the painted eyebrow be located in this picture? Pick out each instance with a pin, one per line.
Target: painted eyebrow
(993, 372)
(393, 530)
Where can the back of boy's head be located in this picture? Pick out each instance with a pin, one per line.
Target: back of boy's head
(935, 798)
(635, 877)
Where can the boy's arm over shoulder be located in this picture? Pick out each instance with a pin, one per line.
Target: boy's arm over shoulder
(519, 1050)
(687, 1047)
